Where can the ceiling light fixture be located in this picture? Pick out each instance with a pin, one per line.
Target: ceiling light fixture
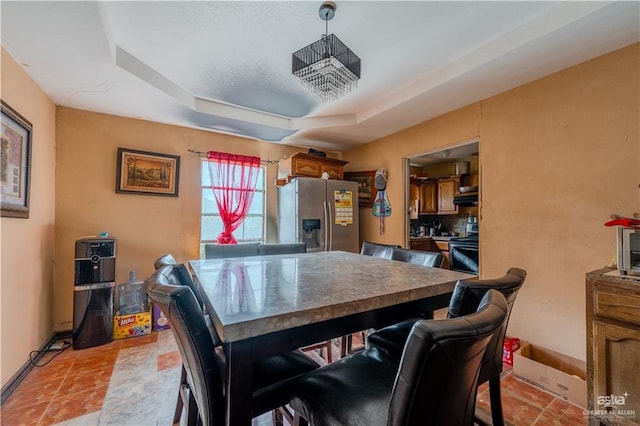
(327, 68)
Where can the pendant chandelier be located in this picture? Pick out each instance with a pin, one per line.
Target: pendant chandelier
(327, 68)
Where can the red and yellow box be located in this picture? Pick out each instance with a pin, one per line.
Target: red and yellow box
(131, 325)
(511, 344)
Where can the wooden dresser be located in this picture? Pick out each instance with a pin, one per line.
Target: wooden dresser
(613, 349)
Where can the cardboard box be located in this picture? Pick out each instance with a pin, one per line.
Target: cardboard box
(131, 325)
(511, 344)
(160, 322)
(557, 373)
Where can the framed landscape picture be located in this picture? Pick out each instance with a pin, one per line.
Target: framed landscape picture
(147, 173)
(15, 163)
(366, 191)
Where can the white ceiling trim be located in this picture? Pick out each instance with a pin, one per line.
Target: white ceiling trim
(166, 61)
(559, 16)
(133, 65)
(540, 26)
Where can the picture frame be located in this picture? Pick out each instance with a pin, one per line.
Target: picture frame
(15, 163)
(147, 173)
(366, 189)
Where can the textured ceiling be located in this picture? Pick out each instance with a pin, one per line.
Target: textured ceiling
(226, 66)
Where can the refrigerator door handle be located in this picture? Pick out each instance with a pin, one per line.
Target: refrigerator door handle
(326, 226)
(330, 226)
(326, 231)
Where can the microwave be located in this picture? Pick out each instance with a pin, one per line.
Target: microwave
(629, 250)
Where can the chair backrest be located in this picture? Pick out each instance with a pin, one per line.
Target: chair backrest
(179, 275)
(290, 248)
(418, 257)
(438, 375)
(164, 260)
(377, 250)
(217, 251)
(467, 294)
(199, 358)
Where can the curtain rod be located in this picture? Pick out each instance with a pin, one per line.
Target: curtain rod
(204, 154)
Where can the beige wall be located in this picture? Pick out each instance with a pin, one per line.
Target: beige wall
(145, 227)
(557, 157)
(26, 250)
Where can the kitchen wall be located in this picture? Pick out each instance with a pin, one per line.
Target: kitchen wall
(26, 248)
(558, 156)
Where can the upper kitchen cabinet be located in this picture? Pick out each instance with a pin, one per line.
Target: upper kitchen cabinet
(423, 197)
(436, 179)
(429, 197)
(447, 189)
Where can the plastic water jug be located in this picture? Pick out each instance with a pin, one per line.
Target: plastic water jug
(132, 297)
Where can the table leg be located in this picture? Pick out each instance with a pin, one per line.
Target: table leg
(239, 372)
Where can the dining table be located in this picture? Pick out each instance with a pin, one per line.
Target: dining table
(265, 305)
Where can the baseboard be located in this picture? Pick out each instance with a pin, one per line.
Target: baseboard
(17, 378)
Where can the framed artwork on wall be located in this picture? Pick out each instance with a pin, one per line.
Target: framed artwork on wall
(366, 190)
(147, 173)
(15, 163)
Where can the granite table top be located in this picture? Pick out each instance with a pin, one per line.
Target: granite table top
(252, 296)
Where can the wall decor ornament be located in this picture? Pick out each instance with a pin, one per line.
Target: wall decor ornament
(366, 189)
(15, 163)
(147, 173)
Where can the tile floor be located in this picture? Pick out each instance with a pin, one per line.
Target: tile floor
(134, 382)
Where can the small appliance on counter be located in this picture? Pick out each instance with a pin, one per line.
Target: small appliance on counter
(628, 243)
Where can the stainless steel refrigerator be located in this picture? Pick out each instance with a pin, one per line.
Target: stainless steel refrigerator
(323, 213)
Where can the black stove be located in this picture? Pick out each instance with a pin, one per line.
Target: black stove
(464, 253)
(470, 241)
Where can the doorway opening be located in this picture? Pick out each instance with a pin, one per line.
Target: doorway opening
(442, 196)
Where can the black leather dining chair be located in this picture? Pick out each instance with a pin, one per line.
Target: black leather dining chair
(164, 260)
(180, 276)
(218, 251)
(204, 361)
(266, 249)
(418, 257)
(434, 384)
(466, 295)
(377, 250)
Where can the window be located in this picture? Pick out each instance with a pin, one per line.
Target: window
(251, 230)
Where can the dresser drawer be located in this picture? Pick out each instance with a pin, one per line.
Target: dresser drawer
(618, 306)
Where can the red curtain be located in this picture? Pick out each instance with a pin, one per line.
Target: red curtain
(233, 180)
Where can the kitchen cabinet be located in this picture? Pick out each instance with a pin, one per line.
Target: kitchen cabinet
(422, 244)
(301, 164)
(429, 197)
(447, 189)
(443, 247)
(414, 199)
(613, 345)
(423, 197)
